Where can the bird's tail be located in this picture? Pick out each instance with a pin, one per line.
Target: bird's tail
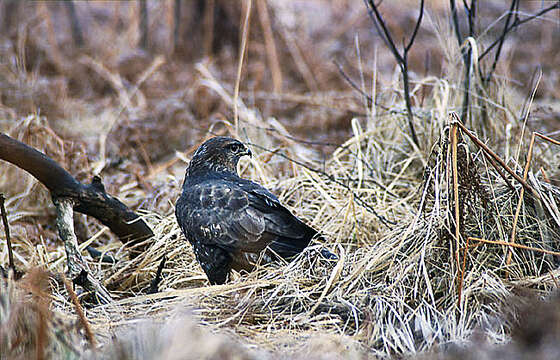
(287, 248)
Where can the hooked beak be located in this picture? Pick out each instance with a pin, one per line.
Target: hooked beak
(248, 152)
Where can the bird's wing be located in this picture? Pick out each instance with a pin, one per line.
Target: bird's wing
(291, 235)
(219, 213)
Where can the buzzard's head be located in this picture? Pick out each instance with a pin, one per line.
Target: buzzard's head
(218, 154)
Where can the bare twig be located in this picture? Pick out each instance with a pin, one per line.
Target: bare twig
(544, 137)
(515, 24)
(352, 83)
(455, 18)
(466, 52)
(355, 86)
(453, 142)
(520, 201)
(402, 59)
(515, 245)
(7, 231)
(381, 218)
(514, 7)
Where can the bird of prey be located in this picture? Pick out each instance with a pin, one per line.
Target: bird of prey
(230, 221)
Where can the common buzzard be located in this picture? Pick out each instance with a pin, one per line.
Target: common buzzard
(228, 220)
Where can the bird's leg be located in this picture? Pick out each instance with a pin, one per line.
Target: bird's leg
(215, 261)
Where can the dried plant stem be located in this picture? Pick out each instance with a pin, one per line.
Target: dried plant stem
(270, 45)
(453, 142)
(520, 202)
(515, 245)
(208, 21)
(544, 137)
(244, 39)
(80, 312)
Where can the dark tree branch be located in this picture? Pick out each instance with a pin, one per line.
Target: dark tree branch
(382, 29)
(471, 15)
(515, 24)
(416, 28)
(402, 59)
(455, 18)
(514, 7)
(90, 199)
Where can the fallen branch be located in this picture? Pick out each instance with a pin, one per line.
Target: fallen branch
(90, 199)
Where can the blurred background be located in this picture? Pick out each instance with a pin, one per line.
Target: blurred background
(80, 63)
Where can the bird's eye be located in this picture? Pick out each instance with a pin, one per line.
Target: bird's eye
(235, 148)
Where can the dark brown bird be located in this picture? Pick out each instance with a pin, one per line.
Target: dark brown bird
(228, 220)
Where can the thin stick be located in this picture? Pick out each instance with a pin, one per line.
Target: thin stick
(465, 252)
(79, 311)
(402, 59)
(7, 231)
(544, 137)
(270, 45)
(455, 175)
(499, 171)
(240, 64)
(515, 245)
(497, 158)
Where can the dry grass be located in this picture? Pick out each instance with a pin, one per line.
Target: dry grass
(386, 207)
